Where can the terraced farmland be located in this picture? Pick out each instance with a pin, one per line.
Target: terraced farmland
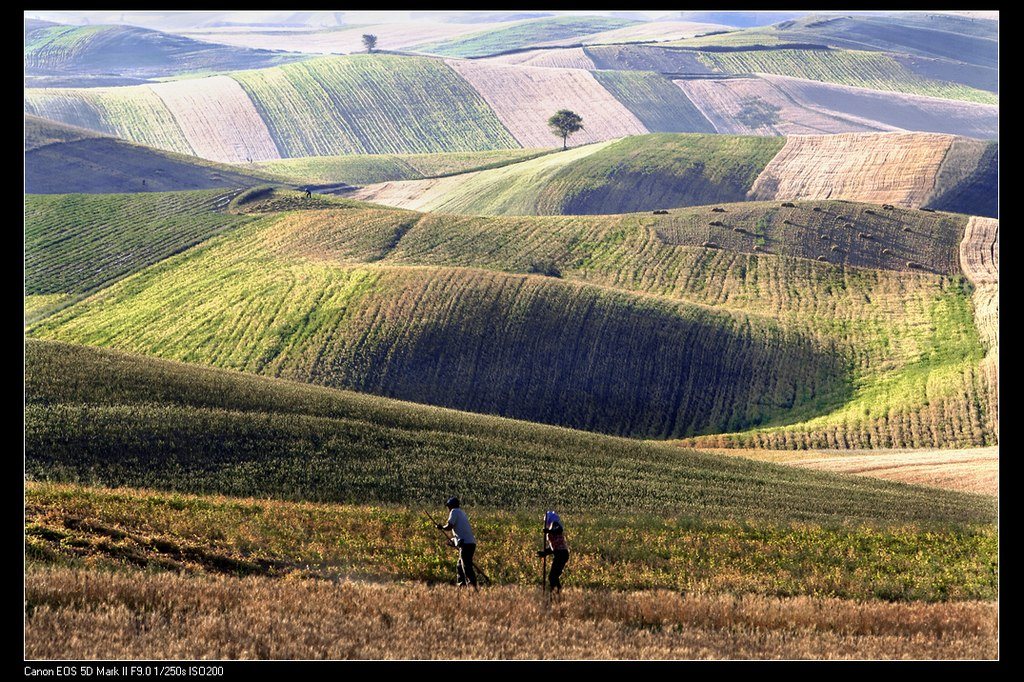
(372, 104)
(906, 353)
(525, 34)
(76, 243)
(524, 98)
(968, 181)
(846, 67)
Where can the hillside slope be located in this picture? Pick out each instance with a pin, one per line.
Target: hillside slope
(59, 50)
(391, 302)
(216, 429)
(61, 159)
(651, 172)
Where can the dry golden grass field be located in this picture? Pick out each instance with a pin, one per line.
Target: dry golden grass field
(85, 614)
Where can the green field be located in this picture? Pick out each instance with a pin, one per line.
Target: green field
(698, 553)
(389, 302)
(76, 243)
(372, 104)
(364, 169)
(109, 418)
(847, 67)
(658, 102)
(522, 35)
(133, 113)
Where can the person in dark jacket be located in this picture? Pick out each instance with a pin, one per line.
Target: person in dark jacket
(463, 538)
(554, 535)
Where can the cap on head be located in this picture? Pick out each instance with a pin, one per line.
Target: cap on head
(552, 517)
(452, 502)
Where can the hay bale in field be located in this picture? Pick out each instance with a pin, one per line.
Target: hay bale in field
(718, 210)
(740, 230)
(835, 248)
(869, 211)
(913, 264)
(848, 226)
(816, 209)
(864, 235)
(886, 251)
(906, 228)
(929, 210)
(788, 204)
(786, 222)
(716, 223)
(710, 245)
(823, 236)
(888, 207)
(823, 259)
(758, 247)
(660, 212)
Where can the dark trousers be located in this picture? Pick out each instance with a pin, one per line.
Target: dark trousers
(464, 567)
(558, 562)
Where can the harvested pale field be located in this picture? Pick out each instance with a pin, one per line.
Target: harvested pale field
(979, 260)
(646, 32)
(91, 614)
(132, 113)
(411, 194)
(754, 106)
(880, 168)
(893, 110)
(972, 470)
(524, 97)
(394, 36)
(218, 119)
(568, 58)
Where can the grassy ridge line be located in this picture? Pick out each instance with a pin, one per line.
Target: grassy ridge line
(271, 304)
(521, 35)
(363, 169)
(89, 614)
(372, 104)
(132, 50)
(72, 525)
(117, 419)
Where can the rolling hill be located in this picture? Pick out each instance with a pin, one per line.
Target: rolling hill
(651, 172)
(68, 51)
(218, 428)
(875, 346)
(523, 35)
(62, 159)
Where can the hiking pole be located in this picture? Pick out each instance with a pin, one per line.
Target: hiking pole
(544, 565)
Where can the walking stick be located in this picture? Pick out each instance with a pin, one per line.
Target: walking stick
(544, 565)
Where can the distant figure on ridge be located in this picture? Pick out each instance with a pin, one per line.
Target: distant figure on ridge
(308, 192)
(556, 544)
(462, 537)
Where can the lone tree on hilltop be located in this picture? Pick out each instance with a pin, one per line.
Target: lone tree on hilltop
(370, 41)
(564, 123)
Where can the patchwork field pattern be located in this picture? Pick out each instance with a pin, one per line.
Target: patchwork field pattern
(218, 119)
(372, 104)
(133, 113)
(526, 34)
(968, 181)
(659, 105)
(847, 67)
(567, 58)
(524, 98)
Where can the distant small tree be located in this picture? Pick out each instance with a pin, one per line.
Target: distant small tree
(369, 41)
(564, 123)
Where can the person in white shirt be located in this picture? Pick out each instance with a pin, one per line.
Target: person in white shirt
(463, 538)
